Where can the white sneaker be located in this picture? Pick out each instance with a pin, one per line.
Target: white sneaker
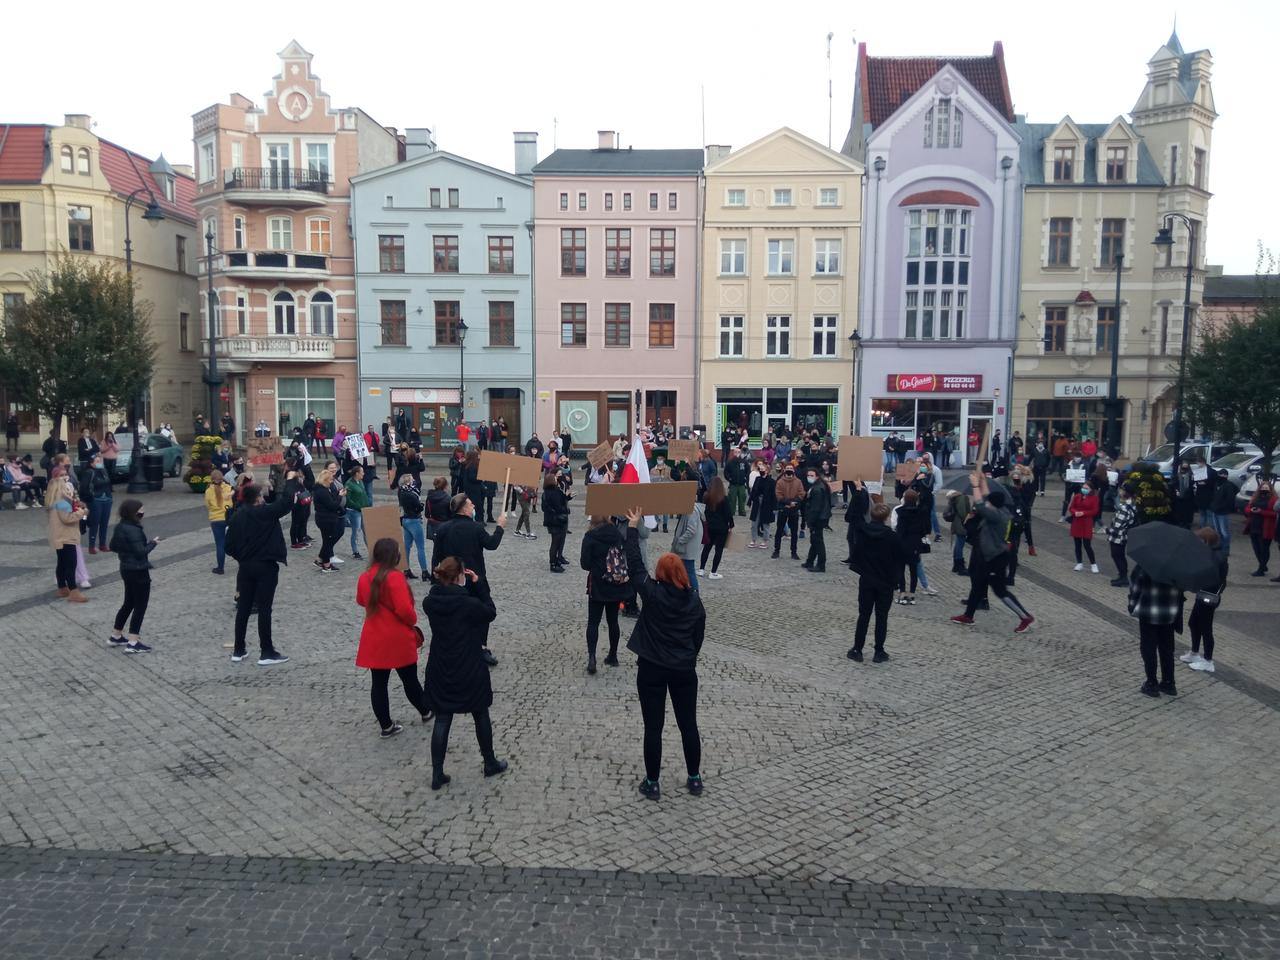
(1204, 665)
(1190, 657)
(21, 506)
(702, 573)
(337, 561)
(930, 591)
(1093, 568)
(715, 576)
(1078, 567)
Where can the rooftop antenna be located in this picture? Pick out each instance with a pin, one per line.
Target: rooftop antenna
(703, 93)
(555, 130)
(829, 96)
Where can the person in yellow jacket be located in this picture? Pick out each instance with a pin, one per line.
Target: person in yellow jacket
(217, 500)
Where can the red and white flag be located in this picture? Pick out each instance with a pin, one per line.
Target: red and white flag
(636, 470)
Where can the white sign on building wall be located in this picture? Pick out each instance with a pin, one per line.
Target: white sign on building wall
(1080, 389)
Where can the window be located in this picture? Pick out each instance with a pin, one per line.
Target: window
(392, 314)
(321, 310)
(1197, 168)
(1117, 160)
(318, 161)
(936, 293)
(502, 255)
(662, 324)
(564, 201)
(319, 238)
(447, 316)
(626, 201)
(242, 315)
(12, 303)
(502, 323)
(573, 252)
(1060, 242)
(1055, 330)
(1064, 164)
(1106, 332)
(1112, 241)
(828, 197)
(942, 122)
(299, 396)
(824, 336)
(444, 256)
(10, 226)
(1163, 346)
(617, 252)
(184, 331)
(582, 200)
(782, 197)
(454, 199)
(826, 256)
(672, 200)
(733, 257)
(180, 253)
(206, 170)
(617, 324)
(662, 253)
(781, 257)
(80, 228)
(573, 324)
(731, 334)
(1173, 164)
(735, 198)
(166, 187)
(285, 311)
(68, 163)
(777, 335)
(281, 233)
(390, 253)
(237, 232)
(608, 201)
(653, 201)
(237, 154)
(434, 197)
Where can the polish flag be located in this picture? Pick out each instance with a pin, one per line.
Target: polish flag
(636, 470)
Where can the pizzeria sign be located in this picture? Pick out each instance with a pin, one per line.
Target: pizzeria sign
(935, 382)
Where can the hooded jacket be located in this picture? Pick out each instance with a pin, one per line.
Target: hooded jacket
(438, 506)
(130, 545)
(672, 621)
(410, 503)
(817, 505)
(880, 556)
(457, 678)
(596, 544)
(686, 542)
(464, 538)
(254, 532)
(992, 539)
(555, 508)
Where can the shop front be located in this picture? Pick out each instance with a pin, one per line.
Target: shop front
(433, 412)
(758, 409)
(1076, 408)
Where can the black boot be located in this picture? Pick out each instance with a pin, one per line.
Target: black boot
(438, 777)
(493, 766)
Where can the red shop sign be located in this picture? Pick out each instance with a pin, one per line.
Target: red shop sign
(935, 383)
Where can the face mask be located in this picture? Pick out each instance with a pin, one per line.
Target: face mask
(661, 462)
(812, 477)
(1085, 491)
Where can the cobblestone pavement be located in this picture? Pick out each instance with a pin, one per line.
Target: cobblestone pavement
(230, 797)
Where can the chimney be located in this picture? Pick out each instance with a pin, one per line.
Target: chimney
(418, 142)
(608, 139)
(716, 151)
(185, 169)
(80, 120)
(526, 152)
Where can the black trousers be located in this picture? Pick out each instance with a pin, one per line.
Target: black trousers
(298, 517)
(787, 518)
(378, 692)
(653, 683)
(440, 736)
(877, 601)
(1085, 543)
(65, 566)
(330, 532)
(817, 557)
(1039, 478)
(137, 594)
(556, 550)
(1120, 560)
(1155, 641)
(1200, 623)
(1261, 550)
(716, 542)
(610, 610)
(1014, 546)
(256, 582)
(991, 575)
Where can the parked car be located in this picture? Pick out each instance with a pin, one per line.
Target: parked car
(1240, 466)
(170, 450)
(1192, 452)
(1250, 487)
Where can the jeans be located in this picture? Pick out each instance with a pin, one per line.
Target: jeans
(1222, 524)
(99, 517)
(871, 600)
(958, 541)
(65, 570)
(1155, 641)
(890, 460)
(716, 542)
(368, 486)
(440, 736)
(256, 582)
(356, 522)
(414, 535)
(137, 594)
(817, 557)
(933, 517)
(378, 692)
(609, 608)
(219, 528)
(691, 569)
(653, 682)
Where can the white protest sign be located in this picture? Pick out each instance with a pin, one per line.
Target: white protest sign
(1075, 475)
(356, 446)
(1199, 472)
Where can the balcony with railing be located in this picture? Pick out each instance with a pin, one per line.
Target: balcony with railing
(274, 264)
(241, 350)
(277, 186)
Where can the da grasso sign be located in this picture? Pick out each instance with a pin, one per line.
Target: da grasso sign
(935, 383)
(1080, 389)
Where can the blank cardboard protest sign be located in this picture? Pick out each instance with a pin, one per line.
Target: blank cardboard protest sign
(655, 499)
(599, 456)
(686, 450)
(264, 450)
(382, 522)
(860, 458)
(525, 471)
(905, 471)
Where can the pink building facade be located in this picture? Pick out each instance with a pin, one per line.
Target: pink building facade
(615, 275)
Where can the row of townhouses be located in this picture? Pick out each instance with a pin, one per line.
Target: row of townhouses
(952, 266)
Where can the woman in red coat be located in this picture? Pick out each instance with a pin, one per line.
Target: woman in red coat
(1260, 524)
(389, 639)
(1083, 508)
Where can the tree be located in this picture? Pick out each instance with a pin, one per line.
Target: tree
(1233, 380)
(79, 345)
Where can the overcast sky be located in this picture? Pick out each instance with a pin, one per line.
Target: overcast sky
(475, 72)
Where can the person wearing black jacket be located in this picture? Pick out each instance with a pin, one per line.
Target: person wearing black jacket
(130, 544)
(255, 542)
(309, 430)
(878, 560)
(913, 529)
(762, 503)
(608, 585)
(95, 490)
(412, 526)
(475, 488)
(330, 500)
(555, 517)
(1221, 507)
(735, 475)
(437, 509)
(817, 514)
(719, 522)
(465, 538)
(533, 447)
(86, 448)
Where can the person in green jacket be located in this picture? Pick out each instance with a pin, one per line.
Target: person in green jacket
(357, 500)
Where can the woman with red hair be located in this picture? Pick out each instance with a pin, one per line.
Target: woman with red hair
(667, 639)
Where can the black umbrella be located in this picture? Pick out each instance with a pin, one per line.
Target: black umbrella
(965, 486)
(1172, 554)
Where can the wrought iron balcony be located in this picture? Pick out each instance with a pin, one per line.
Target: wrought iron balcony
(290, 186)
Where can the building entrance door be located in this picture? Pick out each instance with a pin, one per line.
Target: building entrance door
(508, 408)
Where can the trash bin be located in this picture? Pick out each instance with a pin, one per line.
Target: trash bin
(153, 470)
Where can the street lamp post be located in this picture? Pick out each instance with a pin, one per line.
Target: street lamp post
(1164, 240)
(152, 214)
(462, 370)
(212, 377)
(1113, 386)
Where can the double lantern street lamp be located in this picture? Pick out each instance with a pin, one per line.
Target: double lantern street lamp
(212, 377)
(1164, 240)
(152, 214)
(462, 370)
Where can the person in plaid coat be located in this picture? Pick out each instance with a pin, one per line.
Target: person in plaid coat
(1158, 608)
(1118, 532)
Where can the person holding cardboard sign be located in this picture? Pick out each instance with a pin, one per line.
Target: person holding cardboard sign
(608, 585)
(464, 537)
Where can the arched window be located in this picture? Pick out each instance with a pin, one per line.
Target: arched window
(68, 160)
(83, 157)
(321, 314)
(286, 313)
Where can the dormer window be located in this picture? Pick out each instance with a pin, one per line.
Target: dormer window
(166, 187)
(1117, 162)
(1064, 164)
(942, 125)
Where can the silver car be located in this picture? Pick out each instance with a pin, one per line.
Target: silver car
(1239, 466)
(1193, 451)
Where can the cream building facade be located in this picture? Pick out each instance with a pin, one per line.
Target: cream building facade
(780, 245)
(1093, 191)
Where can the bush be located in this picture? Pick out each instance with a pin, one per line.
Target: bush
(201, 462)
(1152, 497)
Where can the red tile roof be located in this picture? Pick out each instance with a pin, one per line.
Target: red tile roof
(126, 171)
(22, 152)
(888, 82)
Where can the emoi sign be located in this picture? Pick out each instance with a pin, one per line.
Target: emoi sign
(935, 383)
